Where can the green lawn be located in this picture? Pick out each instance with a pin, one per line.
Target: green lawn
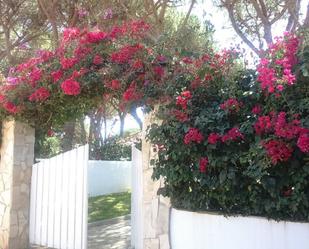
(108, 206)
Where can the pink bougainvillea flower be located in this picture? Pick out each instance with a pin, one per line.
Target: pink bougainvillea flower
(193, 135)
(232, 135)
(10, 107)
(138, 64)
(183, 99)
(2, 98)
(70, 87)
(97, 60)
(95, 36)
(303, 143)
(213, 138)
(187, 60)
(180, 116)
(70, 34)
(57, 75)
(159, 71)
(256, 110)
(40, 94)
(126, 53)
(277, 151)
(12, 80)
(132, 94)
(263, 125)
(231, 105)
(67, 63)
(50, 133)
(203, 163)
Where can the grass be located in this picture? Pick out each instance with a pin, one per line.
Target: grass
(108, 206)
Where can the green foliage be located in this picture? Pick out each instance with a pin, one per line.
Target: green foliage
(114, 149)
(46, 146)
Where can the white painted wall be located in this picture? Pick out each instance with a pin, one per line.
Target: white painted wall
(106, 177)
(190, 230)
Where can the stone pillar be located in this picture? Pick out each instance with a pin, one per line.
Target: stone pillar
(17, 153)
(156, 209)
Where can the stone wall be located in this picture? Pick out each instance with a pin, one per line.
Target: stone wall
(156, 209)
(17, 152)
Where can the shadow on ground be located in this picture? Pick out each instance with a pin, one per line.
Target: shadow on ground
(110, 234)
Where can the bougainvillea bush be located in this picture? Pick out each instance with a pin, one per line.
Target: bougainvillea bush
(230, 140)
(237, 142)
(89, 66)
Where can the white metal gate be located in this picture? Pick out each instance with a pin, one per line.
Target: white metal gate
(59, 201)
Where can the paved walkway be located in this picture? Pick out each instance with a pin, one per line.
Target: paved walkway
(110, 234)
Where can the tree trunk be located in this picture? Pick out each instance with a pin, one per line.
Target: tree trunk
(67, 141)
(121, 119)
(136, 117)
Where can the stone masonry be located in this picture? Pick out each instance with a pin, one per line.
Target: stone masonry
(156, 209)
(17, 152)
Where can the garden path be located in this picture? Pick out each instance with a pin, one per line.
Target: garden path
(110, 234)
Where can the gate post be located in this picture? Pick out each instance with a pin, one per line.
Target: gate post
(17, 154)
(156, 209)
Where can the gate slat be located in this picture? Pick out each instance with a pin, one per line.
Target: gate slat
(33, 202)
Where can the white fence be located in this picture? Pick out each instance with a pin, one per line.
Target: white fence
(136, 200)
(106, 177)
(59, 203)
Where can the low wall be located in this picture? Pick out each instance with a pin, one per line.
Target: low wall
(106, 177)
(212, 231)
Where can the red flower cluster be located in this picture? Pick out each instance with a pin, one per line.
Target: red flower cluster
(231, 105)
(213, 138)
(35, 75)
(263, 125)
(40, 94)
(193, 135)
(126, 53)
(232, 135)
(57, 75)
(97, 60)
(203, 163)
(183, 99)
(159, 71)
(95, 37)
(131, 94)
(67, 63)
(70, 34)
(180, 116)
(303, 143)
(257, 110)
(279, 126)
(271, 79)
(70, 87)
(278, 151)
(10, 107)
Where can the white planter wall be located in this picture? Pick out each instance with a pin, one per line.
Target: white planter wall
(190, 230)
(107, 177)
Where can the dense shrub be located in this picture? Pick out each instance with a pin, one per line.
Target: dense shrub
(237, 141)
(113, 149)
